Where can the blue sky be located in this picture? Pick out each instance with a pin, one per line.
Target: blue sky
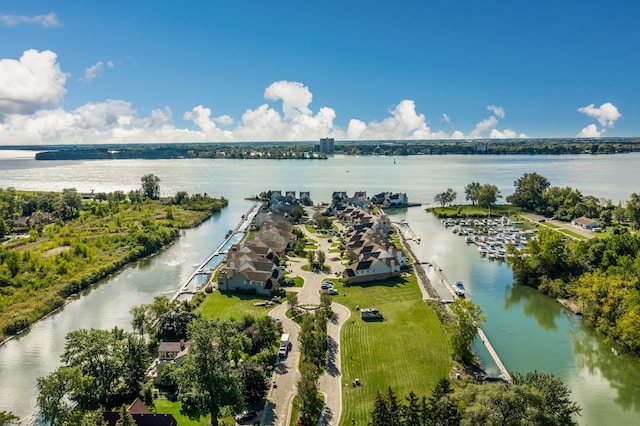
(97, 72)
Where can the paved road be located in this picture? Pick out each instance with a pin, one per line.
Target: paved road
(279, 399)
(573, 228)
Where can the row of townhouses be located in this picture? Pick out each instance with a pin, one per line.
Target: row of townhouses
(367, 244)
(252, 265)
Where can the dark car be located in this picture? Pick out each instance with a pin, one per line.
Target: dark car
(246, 415)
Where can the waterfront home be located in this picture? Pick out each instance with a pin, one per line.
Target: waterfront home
(168, 353)
(585, 223)
(248, 271)
(367, 243)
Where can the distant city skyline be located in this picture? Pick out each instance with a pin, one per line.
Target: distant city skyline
(203, 71)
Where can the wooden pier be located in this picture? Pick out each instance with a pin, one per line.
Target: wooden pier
(241, 227)
(504, 373)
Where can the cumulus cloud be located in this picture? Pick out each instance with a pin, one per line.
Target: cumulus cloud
(489, 124)
(591, 131)
(606, 114)
(112, 121)
(33, 82)
(497, 111)
(297, 121)
(32, 88)
(295, 97)
(96, 70)
(483, 126)
(47, 21)
(404, 123)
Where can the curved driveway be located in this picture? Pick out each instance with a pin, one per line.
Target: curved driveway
(286, 375)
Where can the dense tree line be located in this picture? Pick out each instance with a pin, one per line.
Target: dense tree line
(533, 192)
(293, 150)
(274, 151)
(225, 368)
(313, 348)
(602, 274)
(67, 243)
(533, 398)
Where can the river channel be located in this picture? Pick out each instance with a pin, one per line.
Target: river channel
(528, 330)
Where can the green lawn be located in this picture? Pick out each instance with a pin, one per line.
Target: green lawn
(164, 406)
(475, 211)
(407, 351)
(231, 305)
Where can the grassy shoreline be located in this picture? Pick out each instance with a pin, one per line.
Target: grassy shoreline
(52, 267)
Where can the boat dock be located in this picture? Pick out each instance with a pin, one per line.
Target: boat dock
(242, 226)
(405, 225)
(504, 373)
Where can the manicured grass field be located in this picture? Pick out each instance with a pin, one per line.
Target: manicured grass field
(408, 351)
(164, 406)
(232, 305)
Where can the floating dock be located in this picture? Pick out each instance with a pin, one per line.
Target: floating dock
(504, 373)
(242, 226)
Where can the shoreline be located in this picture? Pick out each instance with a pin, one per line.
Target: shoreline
(97, 282)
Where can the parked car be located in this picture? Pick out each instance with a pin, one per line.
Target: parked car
(326, 285)
(332, 291)
(246, 415)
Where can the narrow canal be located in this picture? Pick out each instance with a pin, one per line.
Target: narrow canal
(531, 331)
(37, 352)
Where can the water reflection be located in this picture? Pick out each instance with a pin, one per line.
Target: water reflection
(545, 311)
(601, 360)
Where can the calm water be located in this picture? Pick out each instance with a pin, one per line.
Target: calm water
(528, 330)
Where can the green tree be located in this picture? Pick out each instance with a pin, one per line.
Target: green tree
(253, 382)
(633, 210)
(8, 418)
(310, 405)
(468, 318)
(292, 301)
(470, 192)
(151, 186)
(320, 259)
(556, 396)
(206, 382)
(62, 393)
(529, 192)
(114, 360)
(487, 195)
(125, 419)
(380, 415)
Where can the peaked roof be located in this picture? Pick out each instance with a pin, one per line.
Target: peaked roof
(137, 407)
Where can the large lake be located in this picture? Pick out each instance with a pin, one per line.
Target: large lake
(529, 331)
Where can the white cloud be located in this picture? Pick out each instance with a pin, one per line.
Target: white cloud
(506, 134)
(32, 88)
(497, 111)
(224, 120)
(404, 123)
(33, 82)
(606, 114)
(96, 70)
(591, 131)
(483, 126)
(295, 97)
(47, 21)
(202, 117)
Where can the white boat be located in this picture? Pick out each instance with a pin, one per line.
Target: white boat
(458, 289)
